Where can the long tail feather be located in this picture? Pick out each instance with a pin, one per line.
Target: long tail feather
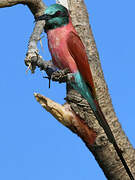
(103, 123)
(80, 85)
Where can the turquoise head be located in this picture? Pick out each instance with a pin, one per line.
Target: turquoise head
(55, 16)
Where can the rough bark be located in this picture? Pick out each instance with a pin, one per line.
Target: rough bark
(102, 149)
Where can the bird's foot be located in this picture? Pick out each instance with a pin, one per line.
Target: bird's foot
(61, 75)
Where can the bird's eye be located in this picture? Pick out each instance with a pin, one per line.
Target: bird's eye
(57, 13)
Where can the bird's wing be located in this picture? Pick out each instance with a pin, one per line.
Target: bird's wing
(78, 52)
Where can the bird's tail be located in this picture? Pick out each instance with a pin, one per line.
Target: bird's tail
(103, 123)
(85, 90)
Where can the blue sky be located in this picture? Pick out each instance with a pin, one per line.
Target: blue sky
(33, 145)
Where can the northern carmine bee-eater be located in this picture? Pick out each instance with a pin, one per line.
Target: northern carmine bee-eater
(68, 51)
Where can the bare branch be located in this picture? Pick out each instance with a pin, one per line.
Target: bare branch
(37, 7)
(84, 123)
(65, 115)
(32, 52)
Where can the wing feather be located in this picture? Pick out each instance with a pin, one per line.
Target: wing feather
(78, 52)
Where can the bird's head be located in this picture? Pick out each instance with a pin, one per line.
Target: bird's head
(55, 16)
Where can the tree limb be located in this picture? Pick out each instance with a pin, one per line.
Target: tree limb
(65, 115)
(82, 121)
(37, 7)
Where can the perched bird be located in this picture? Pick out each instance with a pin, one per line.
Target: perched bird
(68, 51)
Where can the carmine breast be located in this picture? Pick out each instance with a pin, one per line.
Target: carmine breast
(57, 43)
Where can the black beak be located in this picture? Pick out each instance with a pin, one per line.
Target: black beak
(43, 17)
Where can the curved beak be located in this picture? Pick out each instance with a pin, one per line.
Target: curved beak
(43, 17)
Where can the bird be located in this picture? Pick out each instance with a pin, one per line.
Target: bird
(68, 51)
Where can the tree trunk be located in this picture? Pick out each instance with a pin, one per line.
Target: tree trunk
(76, 114)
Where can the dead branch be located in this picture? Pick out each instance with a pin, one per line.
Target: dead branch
(82, 121)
